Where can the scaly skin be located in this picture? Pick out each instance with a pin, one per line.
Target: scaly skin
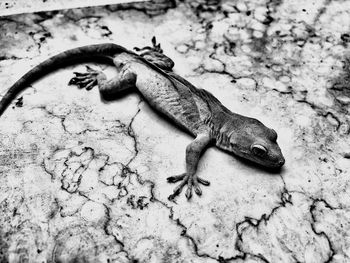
(195, 110)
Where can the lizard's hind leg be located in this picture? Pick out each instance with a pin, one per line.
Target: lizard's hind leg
(124, 80)
(155, 55)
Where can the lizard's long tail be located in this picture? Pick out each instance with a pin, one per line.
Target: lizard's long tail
(63, 59)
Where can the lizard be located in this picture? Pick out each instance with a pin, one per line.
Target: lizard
(194, 110)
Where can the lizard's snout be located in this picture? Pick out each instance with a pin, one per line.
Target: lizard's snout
(281, 162)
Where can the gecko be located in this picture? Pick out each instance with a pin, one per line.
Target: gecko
(192, 109)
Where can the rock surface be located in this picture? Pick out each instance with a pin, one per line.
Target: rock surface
(12, 7)
(83, 180)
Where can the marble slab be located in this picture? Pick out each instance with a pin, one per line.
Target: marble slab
(12, 7)
(84, 180)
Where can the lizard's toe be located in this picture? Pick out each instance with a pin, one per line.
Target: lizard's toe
(75, 80)
(85, 80)
(90, 69)
(196, 181)
(72, 81)
(176, 178)
(91, 85)
(197, 189)
(81, 74)
(203, 182)
(178, 189)
(189, 191)
(87, 84)
(192, 182)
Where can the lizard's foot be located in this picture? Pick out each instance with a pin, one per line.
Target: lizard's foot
(156, 47)
(192, 181)
(155, 55)
(85, 80)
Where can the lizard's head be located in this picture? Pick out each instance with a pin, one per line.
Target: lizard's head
(252, 140)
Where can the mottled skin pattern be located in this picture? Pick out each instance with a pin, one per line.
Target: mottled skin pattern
(195, 110)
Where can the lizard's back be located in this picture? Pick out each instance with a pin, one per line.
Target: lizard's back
(174, 97)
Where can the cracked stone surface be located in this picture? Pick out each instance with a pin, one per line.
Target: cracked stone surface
(84, 180)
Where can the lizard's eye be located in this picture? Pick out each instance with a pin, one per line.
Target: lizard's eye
(258, 150)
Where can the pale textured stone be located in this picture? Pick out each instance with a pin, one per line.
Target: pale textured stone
(84, 180)
(10, 7)
(93, 212)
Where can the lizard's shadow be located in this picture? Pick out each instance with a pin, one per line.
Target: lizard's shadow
(110, 98)
(270, 170)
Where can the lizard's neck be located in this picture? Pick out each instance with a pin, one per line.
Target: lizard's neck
(222, 140)
(221, 131)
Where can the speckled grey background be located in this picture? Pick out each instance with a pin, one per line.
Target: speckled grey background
(83, 180)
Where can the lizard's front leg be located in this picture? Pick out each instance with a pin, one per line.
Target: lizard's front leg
(193, 153)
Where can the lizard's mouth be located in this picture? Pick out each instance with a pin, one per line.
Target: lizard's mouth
(273, 164)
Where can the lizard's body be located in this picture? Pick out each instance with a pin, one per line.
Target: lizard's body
(195, 110)
(167, 98)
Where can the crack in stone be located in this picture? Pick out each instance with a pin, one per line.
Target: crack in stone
(321, 11)
(285, 198)
(321, 233)
(43, 32)
(132, 134)
(107, 232)
(88, 22)
(137, 204)
(322, 112)
(78, 171)
(12, 57)
(61, 117)
(19, 24)
(86, 196)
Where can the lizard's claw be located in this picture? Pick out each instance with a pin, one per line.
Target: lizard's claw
(85, 80)
(192, 181)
